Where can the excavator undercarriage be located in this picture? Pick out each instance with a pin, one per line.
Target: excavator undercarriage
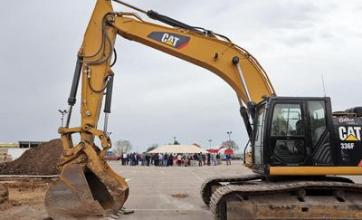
(253, 197)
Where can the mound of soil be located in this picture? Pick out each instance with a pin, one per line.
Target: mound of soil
(41, 160)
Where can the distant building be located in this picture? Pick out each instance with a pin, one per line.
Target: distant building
(4, 150)
(5, 146)
(20, 144)
(13, 150)
(29, 144)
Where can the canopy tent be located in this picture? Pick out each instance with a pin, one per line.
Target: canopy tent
(225, 150)
(222, 150)
(178, 149)
(213, 151)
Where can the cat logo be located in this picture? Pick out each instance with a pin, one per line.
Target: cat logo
(349, 133)
(170, 39)
(173, 40)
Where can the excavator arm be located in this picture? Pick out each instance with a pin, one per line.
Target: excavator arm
(227, 60)
(87, 185)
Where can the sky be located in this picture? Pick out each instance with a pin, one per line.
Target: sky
(157, 96)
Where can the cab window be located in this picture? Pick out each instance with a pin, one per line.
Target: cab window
(258, 142)
(287, 120)
(316, 110)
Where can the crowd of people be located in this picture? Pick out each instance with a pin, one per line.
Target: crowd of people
(168, 159)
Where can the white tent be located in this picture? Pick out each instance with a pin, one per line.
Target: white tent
(178, 149)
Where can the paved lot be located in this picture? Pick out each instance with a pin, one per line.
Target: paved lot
(156, 193)
(151, 190)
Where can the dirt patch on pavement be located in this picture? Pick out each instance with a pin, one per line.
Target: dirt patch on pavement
(26, 192)
(25, 199)
(4, 195)
(41, 160)
(180, 195)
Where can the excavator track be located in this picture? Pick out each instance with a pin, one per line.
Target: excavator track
(288, 200)
(212, 183)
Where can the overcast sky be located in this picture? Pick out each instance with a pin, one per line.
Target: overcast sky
(156, 96)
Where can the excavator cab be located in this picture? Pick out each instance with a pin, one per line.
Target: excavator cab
(296, 132)
(298, 146)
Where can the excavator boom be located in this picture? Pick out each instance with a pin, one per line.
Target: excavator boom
(87, 185)
(230, 62)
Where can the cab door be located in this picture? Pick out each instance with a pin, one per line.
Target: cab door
(287, 134)
(320, 128)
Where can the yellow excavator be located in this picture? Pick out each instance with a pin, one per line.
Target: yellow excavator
(297, 145)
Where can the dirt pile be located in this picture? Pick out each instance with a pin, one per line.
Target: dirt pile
(41, 160)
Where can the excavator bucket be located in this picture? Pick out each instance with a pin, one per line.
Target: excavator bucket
(79, 192)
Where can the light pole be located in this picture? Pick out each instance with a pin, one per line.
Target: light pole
(229, 134)
(210, 140)
(63, 113)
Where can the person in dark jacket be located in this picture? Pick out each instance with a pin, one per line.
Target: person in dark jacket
(148, 158)
(170, 160)
(200, 159)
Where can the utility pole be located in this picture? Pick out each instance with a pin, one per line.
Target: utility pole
(210, 140)
(229, 134)
(63, 113)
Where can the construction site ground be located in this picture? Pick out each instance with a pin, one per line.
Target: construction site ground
(155, 192)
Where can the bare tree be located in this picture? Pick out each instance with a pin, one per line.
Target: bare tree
(122, 146)
(230, 144)
(152, 147)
